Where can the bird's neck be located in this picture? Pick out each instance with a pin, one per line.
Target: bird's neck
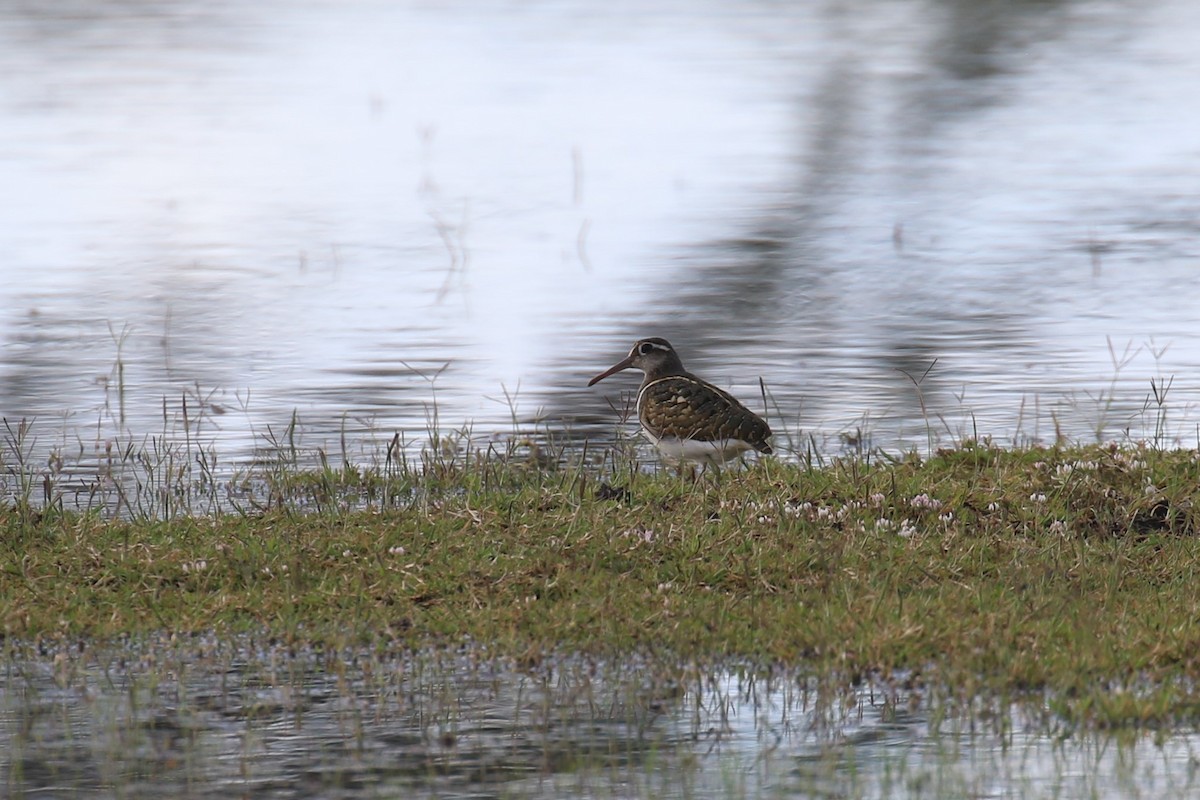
(666, 371)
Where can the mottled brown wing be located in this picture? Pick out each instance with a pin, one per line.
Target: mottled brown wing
(688, 408)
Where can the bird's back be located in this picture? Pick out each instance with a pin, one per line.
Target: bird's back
(687, 408)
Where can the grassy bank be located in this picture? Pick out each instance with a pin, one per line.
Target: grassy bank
(1068, 570)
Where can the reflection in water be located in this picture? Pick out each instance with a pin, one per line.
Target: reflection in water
(214, 718)
(916, 221)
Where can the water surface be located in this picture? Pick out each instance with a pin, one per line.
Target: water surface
(209, 718)
(371, 213)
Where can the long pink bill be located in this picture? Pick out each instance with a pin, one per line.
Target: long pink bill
(624, 363)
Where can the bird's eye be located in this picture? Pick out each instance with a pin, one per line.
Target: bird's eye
(645, 347)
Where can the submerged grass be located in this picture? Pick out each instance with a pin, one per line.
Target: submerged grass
(1060, 573)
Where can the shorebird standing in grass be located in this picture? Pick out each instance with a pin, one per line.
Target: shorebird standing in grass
(688, 419)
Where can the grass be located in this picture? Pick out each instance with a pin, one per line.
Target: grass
(1060, 573)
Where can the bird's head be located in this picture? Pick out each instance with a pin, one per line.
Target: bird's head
(653, 356)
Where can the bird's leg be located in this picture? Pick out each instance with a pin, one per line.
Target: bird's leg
(710, 471)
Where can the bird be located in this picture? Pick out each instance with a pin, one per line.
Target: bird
(687, 418)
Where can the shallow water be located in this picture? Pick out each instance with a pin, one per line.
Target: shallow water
(393, 217)
(210, 718)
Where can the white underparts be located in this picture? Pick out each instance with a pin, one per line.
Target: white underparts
(715, 453)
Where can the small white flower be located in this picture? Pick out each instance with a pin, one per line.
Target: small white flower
(993, 506)
(396, 551)
(925, 501)
(877, 498)
(639, 533)
(1037, 497)
(908, 529)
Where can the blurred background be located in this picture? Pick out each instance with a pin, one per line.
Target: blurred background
(915, 220)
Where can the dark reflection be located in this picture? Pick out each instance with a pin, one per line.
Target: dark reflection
(81, 28)
(980, 39)
(779, 302)
(352, 222)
